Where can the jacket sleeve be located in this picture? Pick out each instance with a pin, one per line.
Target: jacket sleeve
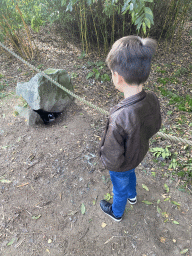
(112, 151)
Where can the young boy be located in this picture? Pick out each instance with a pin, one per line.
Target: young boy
(131, 123)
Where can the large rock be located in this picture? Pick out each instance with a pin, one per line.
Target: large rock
(40, 93)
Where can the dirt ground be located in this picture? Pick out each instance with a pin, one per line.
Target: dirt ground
(48, 171)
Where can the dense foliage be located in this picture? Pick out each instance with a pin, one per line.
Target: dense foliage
(98, 22)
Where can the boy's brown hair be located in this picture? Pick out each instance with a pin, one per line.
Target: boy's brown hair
(130, 57)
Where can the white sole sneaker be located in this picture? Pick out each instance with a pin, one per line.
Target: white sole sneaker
(132, 200)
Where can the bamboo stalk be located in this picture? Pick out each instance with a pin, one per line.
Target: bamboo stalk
(95, 30)
(175, 23)
(27, 31)
(85, 31)
(13, 42)
(181, 25)
(16, 36)
(81, 28)
(113, 27)
(123, 24)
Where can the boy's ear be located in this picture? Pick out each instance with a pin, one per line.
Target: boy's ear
(119, 78)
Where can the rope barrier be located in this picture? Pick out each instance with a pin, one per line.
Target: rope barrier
(162, 135)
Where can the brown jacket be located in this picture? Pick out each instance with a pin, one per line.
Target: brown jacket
(130, 125)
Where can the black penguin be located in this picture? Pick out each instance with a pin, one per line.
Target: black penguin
(46, 116)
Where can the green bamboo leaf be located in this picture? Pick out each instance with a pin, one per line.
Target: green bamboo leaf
(166, 188)
(83, 208)
(131, 7)
(139, 19)
(173, 202)
(5, 181)
(158, 210)
(144, 27)
(126, 6)
(158, 201)
(97, 75)
(36, 217)
(90, 74)
(175, 222)
(12, 241)
(166, 199)
(147, 202)
(147, 22)
(184, 251)
(148, 11)
(163, 155)
(145, 187)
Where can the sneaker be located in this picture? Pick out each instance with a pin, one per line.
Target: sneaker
(106, 207)
(132, 200)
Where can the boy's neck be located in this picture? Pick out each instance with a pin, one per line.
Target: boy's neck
(131, 90)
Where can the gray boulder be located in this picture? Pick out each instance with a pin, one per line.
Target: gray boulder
(40, 93)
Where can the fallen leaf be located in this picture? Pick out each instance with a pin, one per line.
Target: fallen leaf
(173, 202)
(158, 210)
(36, 217)
(174, 241)
(166, 199)
(83, 208)
(162, 239)
(147, 202)
(158, 201)
(145, 187)
(103, 225)
(166, 188)
(72, 213)
(175, 222)
(184, 251)
(164, 214)
(12, 241)
(5, 181)
(94, 202)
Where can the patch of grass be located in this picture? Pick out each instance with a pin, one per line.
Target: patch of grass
(97, 71)
(183, 103)
(181, 72)
(160, 70)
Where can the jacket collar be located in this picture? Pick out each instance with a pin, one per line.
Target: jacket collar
(129, 101)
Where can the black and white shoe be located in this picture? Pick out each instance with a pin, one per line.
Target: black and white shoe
(132, 200)
(46, 116)
(106, 207)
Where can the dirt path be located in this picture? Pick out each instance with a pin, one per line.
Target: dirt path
(54, 169)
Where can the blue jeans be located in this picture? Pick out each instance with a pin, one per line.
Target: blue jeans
(124, 187)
